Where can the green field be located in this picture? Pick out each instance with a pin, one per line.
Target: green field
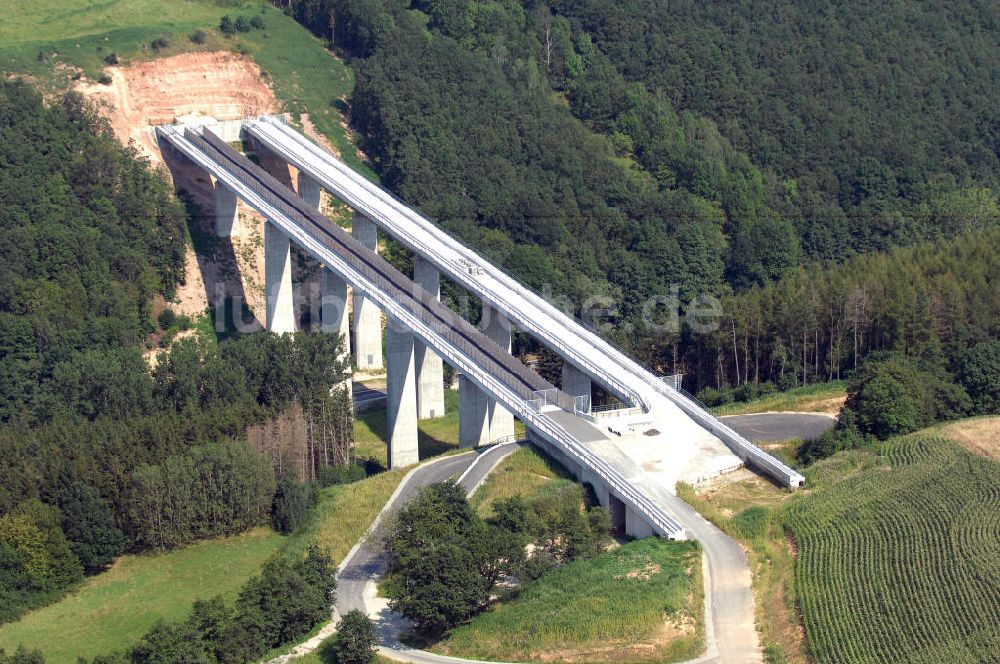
(113, 609)
(640, 602)
(820, 397)
(526, 472)
(901, 562)
(49, 40)
(889, 554)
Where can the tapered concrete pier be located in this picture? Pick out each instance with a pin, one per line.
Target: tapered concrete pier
(333, 312)
(367, 317)
(498, 328)
(576, 383)
(309, 190)
(226, 210)
(401, 397)
(280, 306)
(430, 369)
(473, 414)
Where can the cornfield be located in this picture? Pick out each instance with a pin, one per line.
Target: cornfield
(902, 562)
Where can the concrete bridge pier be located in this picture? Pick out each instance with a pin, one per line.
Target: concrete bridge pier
(367, 316)
(616, 511)
(635, 524)
(430, 369)
(280, 305)
(401, 397)
(309, 190)
(498, 328)
(575, 382)
(226, 210)
(333, 312)
(473, 414)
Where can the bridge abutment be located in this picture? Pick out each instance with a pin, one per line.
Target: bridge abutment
(401, 397)
(280, 305)
(430, 369)
(367, 316)
(635, 525)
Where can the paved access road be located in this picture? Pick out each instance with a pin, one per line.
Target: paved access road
(765, 427)
(366, 561)
(728, 599)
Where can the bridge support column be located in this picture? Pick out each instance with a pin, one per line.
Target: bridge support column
(280, 306)
(575, 382)
(635, 525)
(430, 370)
(473, 414)
(367, 317)
(333, 313)
(226, 210)
(309, 190)
(401, 397)
(497, 328)
(616, 511)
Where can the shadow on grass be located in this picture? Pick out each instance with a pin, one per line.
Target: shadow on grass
(375, 421)
(327, 653)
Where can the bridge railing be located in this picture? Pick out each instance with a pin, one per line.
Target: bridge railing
(446, 346)
(428, 250)
(742, 447)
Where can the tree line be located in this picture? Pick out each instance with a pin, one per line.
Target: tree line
(936, 299)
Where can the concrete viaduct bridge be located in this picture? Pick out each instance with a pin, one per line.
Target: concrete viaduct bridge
(494, 387)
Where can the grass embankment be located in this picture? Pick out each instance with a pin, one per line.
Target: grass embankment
(113, 609)
(526, 472)
(818, 398)
(640, 602)
(50, 40)
(890, 553)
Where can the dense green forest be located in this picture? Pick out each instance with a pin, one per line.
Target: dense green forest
(88, 235)
(876, 122)
(102, 452)
(935, 300)
(621, 148)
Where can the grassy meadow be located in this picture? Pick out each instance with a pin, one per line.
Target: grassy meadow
(817, 398)
(54, 41)
(112, 610)
(640, 602)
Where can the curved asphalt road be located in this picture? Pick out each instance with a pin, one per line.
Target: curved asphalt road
(768, 427)
(731, 635)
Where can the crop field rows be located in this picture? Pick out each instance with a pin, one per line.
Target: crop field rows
(901, 564)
